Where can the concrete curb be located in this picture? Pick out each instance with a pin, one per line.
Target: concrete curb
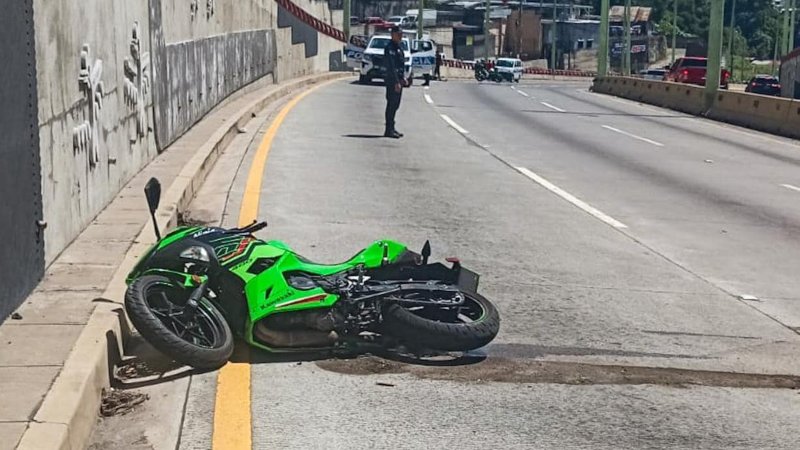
(69, 411)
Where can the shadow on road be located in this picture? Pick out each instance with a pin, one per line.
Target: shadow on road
(363, 136)
(439, 359)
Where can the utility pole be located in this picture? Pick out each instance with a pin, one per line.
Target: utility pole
(791, 27)
(553, 49)
(519, 31)
(714, 51)
(486, 33)
(346, 24)
(420, 7)
(731, 37)
(775, 53)
(785, 29)
(674, 28)
(626, 56)
(602, 52)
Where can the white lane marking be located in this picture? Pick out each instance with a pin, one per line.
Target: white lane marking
(426, 87)
(649, 141)
(452, 123)
(522, 93)
(789, 186)
(571, 198)
(552, 107)
(428, 99)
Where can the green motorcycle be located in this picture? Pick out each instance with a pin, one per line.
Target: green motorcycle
(197, 286)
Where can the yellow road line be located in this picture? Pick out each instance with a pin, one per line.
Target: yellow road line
(232, 410)
(252, 191)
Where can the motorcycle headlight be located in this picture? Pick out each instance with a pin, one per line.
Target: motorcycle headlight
(196, 253)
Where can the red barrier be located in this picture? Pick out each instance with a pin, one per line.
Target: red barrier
(312, 21)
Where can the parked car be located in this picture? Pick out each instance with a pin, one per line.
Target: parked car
(377, 22)
(692, 70)
(509, 68)
(653, 74)
(764, 85)
(401, 21)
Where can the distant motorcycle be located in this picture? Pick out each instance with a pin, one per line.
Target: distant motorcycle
(484, 71)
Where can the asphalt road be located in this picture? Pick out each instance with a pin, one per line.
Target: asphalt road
(616, 240)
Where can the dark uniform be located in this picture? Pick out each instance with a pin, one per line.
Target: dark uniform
(394, 59)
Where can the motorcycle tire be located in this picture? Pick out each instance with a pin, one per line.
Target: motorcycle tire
(167, 339)
(414, 330)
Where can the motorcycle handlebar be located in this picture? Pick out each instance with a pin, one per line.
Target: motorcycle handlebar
(252, 228)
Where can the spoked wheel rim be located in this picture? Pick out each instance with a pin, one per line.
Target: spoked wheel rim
(468, 312)
(200, 327)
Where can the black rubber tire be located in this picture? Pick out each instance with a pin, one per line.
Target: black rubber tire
(421, 332)
(164, 339)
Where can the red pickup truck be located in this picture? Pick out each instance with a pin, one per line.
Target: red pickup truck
(692, 70)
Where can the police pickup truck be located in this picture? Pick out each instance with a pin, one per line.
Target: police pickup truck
(420, 57)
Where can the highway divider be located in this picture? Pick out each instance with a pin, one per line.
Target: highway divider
(774, 115)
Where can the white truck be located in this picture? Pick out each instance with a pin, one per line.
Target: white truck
(372, 65)
(420, 58)
(428, 16)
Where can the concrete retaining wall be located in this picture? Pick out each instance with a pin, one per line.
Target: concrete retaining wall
(108, 101)
(771, 114)
(95, 108)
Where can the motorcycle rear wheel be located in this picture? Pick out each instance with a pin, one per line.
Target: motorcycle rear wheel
(472, 326)
(154, 305)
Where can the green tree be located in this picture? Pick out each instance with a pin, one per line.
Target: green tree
(757, 20)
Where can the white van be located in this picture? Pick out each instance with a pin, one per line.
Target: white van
(510, 68)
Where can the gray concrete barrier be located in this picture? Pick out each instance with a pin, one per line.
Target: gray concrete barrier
(775, 115)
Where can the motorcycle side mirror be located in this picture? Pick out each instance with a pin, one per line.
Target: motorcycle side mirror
(152, 190)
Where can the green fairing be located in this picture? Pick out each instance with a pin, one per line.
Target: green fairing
(173, 236)
(281, 293)
(267, 292)
(282, 297)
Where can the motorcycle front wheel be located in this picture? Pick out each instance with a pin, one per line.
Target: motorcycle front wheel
(200, 338)
(458, 328)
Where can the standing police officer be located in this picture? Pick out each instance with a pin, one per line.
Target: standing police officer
(394, 59)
